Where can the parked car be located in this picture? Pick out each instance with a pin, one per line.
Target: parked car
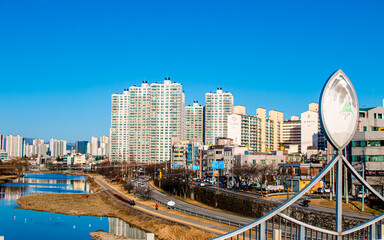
(360, 194)
(202, 184)
(323, 190)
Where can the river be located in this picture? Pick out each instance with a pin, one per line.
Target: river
(28, 224)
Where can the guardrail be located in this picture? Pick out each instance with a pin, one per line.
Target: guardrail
(231, 223)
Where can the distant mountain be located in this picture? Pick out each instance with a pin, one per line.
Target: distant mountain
(71, 145)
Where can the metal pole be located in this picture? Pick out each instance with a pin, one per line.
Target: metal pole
(362, 189)
(339, 196)
(346, 184)
(331, 184)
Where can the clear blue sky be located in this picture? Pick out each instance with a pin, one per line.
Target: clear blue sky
(60, 61)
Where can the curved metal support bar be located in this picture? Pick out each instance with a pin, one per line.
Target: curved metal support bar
(361, 179)
(284, 205)
(307, 225)
(364, 225)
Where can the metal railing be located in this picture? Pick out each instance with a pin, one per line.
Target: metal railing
(277, 225)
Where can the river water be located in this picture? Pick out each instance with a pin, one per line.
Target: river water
(28, 224)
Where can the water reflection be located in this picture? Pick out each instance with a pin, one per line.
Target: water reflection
(121, 228)
(46, 225)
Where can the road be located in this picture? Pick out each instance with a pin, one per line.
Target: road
(192, 208)
(165, 214)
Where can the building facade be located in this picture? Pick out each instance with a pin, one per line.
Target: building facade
(81, 147)
(58, 148)
(2, 142)
(278, 119)
(367, 155)
(194, 123)
(143, 121)
(15, 146)
(292, 134)
(218, 106)
(245, 131)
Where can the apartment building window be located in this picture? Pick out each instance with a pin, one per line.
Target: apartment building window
(364, 128)
(380, 116)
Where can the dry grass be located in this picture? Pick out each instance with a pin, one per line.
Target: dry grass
(101, 235)
(354, 206)
(101, 204)
(118, 187)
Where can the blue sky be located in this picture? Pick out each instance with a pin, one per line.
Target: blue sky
(60, 61)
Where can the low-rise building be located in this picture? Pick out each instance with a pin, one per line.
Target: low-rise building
(367, 155)
(296, 176)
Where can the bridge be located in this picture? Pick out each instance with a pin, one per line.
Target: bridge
(339, 115)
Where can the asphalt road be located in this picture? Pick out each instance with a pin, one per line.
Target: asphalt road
(222, 216)
(167, 215)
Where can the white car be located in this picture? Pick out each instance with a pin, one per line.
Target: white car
(360, 195)
(201, 184)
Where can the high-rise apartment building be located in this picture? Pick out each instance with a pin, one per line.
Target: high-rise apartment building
(143, 121)
(104, 146)
(270, 129)
(278, 119)
(292, 134)
(218, 106)
(14, 146)
(261, 113)
(58, 147)
(2, 142)
(39, 148)
(94, 145)
(245, 130)
(194, 123)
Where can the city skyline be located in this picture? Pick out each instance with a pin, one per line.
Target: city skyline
(59, 72)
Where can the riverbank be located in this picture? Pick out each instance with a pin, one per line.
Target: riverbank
(101, 235)
(8, 178)
(101, 205)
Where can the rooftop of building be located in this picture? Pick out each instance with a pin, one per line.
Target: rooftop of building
(366, 109)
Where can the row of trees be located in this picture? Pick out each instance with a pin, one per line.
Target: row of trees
(14, 166)
(256, 173)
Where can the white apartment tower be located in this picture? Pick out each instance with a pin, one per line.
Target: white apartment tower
(58, 147)
(309, 128)
(104, 146)
(270, 129)
(245, 131)
(143, 121)
(194, 123)
(14, 146)
(218, 106)
(278, 119)
(94, 146)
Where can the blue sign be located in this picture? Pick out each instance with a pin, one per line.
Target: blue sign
(196, 167)
(176, 165)
(217, 165)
